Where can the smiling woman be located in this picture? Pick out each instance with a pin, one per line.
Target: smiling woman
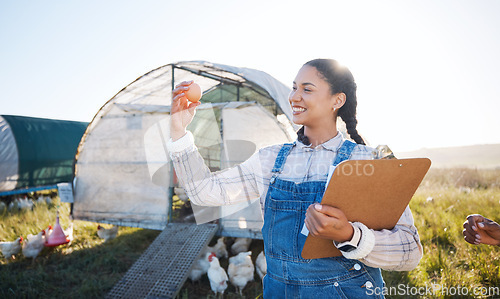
(290, 179)
(312, 103)
(324, 85)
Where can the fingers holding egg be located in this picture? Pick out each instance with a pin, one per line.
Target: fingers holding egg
(183, 86)
(184, 83)
(189, 89)
(193, 93)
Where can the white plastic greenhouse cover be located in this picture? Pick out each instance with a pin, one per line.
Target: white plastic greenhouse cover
(9, 159)
(245, 219)
(122, 173)
(240, 142)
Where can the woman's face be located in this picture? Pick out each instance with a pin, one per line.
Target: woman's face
(311, 100)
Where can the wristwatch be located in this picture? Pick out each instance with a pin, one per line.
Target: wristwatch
(351, 244)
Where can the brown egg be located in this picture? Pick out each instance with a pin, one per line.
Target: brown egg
(193, 94)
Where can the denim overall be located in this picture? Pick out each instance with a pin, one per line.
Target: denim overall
(288, 274)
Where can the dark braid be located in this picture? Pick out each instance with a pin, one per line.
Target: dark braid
(302, 137)
(340, 80)
(350, 124)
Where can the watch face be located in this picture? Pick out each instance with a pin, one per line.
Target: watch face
(347, 248)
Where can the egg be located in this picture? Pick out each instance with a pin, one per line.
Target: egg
(193, 94)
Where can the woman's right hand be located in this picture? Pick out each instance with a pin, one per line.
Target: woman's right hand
(182, 111)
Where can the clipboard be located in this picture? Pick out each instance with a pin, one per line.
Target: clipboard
(373, 192)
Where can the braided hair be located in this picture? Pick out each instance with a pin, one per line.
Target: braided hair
(340, 79)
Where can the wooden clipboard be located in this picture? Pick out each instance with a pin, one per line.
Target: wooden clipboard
(373, 192)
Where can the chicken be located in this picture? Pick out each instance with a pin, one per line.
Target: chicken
(181, 193)
(217, 275)
(43, 200)
(48, 230)
(68, 232)
(200, 267)
(10, 249)
(107, 234)
(40, 199)
(25, 203)
(33, 245)
(3, 206)
(21, 204)
(261, 265)
(219, 249)
(197, 270)
(241, 270)
(240, 245)
(14, 205)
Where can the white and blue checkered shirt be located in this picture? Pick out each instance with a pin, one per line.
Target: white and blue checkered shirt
(398, 249)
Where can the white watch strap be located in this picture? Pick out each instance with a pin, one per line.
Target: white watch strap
(354, 241)
(365, 245)
(356, 237)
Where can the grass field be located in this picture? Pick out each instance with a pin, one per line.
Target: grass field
(440, 207)
(88, 268)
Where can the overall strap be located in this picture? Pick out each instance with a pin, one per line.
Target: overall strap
(344, 152)
(281, 158)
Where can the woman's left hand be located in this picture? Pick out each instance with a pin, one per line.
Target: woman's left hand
(327, 222)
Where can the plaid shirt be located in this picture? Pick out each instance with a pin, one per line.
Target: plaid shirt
(398, 249)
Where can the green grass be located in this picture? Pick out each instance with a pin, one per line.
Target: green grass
(449, 261)
(89, 268)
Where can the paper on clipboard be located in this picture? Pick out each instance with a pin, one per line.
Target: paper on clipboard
(374, 192)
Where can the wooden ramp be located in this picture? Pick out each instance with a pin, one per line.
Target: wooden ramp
(163, 268)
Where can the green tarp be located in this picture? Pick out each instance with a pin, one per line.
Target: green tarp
(46, 149)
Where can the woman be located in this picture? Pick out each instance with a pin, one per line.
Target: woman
(290, 180)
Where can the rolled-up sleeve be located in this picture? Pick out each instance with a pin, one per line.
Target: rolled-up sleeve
(398, 249)
(228, 186)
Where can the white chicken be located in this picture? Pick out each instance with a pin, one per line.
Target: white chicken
(107, 234)
(68, 232)
(25, 203)
(33, 245)
(13, 205)
(261, 265)
(40, 199)
(181, 193)
(48, 230)
(219, 249)
(200, 267)
(10, 249)
(240, 245)
(241, 270)
(217, 275)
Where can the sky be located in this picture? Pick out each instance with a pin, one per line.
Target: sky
(427, 71)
